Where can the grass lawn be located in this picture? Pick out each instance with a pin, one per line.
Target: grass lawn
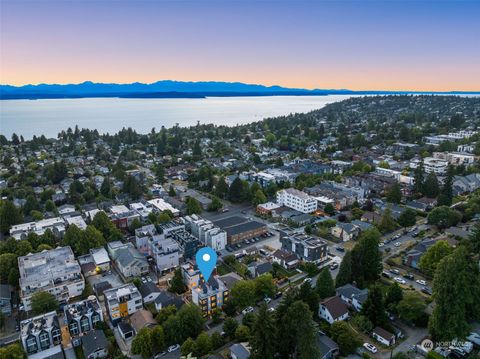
(79, 352)
(285, 272)
(222, 269)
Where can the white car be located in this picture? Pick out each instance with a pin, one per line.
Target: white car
(370, 347)
(271, 310)
(307, 280)
(397, 244)
(247, 310)
(421, 282)
(172, 348)
(400, 280)
(267, 300)
(381, 244)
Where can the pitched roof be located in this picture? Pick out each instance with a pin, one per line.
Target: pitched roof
(383, 333)
(148, 288)
(94, 340)
(142, 319)
(335, 306)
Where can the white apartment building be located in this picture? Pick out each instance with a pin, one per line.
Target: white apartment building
(56, 225)
(206, 232)
(456, 158)
(431, 164)
(161, 205)
(298, 200)
(122, 301)
(55, 271)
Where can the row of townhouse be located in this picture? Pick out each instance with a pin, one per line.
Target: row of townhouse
(206, 231)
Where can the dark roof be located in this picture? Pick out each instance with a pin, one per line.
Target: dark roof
(148, 288)
(101, 287)
(166, 298)
(240, 351)
(335, 306)
(230, 221)
(94, 340)
(125, 327)
(244, 227)
(264, 268)
(383, 333)
(325, 345)
(350, 291)
(5, 291)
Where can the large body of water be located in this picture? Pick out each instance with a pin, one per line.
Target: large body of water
(49, 117)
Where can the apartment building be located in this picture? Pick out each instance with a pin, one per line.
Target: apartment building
(207, 232)
(431, 164)
(456, 158)
(56, 225)
(122, 217)
(81, 317)
(210, 295)
(41, 333)
(298, 200)
(161, 205)
(122, 301)
(307, 248)
(191, 275)
(55, 271)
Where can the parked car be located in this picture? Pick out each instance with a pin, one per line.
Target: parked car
(271, 310)
(421, 282)
(370, 347)
(172, 348)
(307, 280)
(427, 290)
(400, 280)
(408, 276)
(267, 300)
(394, 271)
(381, 244)
(333, 266)
(247, 310)
(278, 295)
(386, 274)
(340, 249)
(159, 355)
(397, 244)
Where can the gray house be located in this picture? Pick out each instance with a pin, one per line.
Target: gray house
(6, 299)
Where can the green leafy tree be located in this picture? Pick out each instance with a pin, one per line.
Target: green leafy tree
(264, 286)
(177, 284)
(411, 308)
(328, 209)
(165, 313)
(429, 261)
(242, 334)
(106, 227)
(12, 351)
(446, 194)
(43, 302)
(193, 206)
(374, 307)
(309, 295)
(394, 193)
(366, 258)
(407, 218)
(243, 293)
(203, 345)
(229, 327)
(9, 215)
(215, 205)
(393, 297)
(344, 275)
(456, 289)
(106, 188)
(50, 206)
(444, 217)
(325, 287)
(259, 197)
(188, 347)
(345, 337)
(387, 223)
(262, 341)
(142, 343)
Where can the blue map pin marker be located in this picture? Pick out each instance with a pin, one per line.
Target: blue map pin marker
(206, 260)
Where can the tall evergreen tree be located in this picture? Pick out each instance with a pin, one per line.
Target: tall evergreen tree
(394, 193)
(303, 332)
(418, 178)
(263, 342)
(430, 186)
(221, 188)
(446, 194)
(325, 287)
(9, 215)
(236, 191)
(374, 307)
(344, 275)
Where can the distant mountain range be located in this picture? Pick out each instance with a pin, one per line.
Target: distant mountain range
(175, 89)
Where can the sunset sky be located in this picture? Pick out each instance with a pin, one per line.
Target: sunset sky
(360, 45)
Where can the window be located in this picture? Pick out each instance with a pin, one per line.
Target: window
(44, 340)
(85, 324)
(95, 318)
(31, 344)
(56, 336)
(73, 327)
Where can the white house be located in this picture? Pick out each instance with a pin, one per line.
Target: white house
(298, 200)
(383, 336)
(333, 309)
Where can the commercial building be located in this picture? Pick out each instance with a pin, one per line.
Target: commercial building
(40, 333)
(122, 301)
(55, 271)
(241, 228)
(298, 200)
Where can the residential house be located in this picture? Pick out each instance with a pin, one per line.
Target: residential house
(345, 231)
(352, 296)
(128, 260)
(257, 269)
(328, 349)
(165, 298)
(333, 309)
(95, 345)
(122, 301)
(149, 292)
(142, 319)
(383, 336)
(40, 333)
(307, 248)
(240, 351)
(286, 259)
(81, 317)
